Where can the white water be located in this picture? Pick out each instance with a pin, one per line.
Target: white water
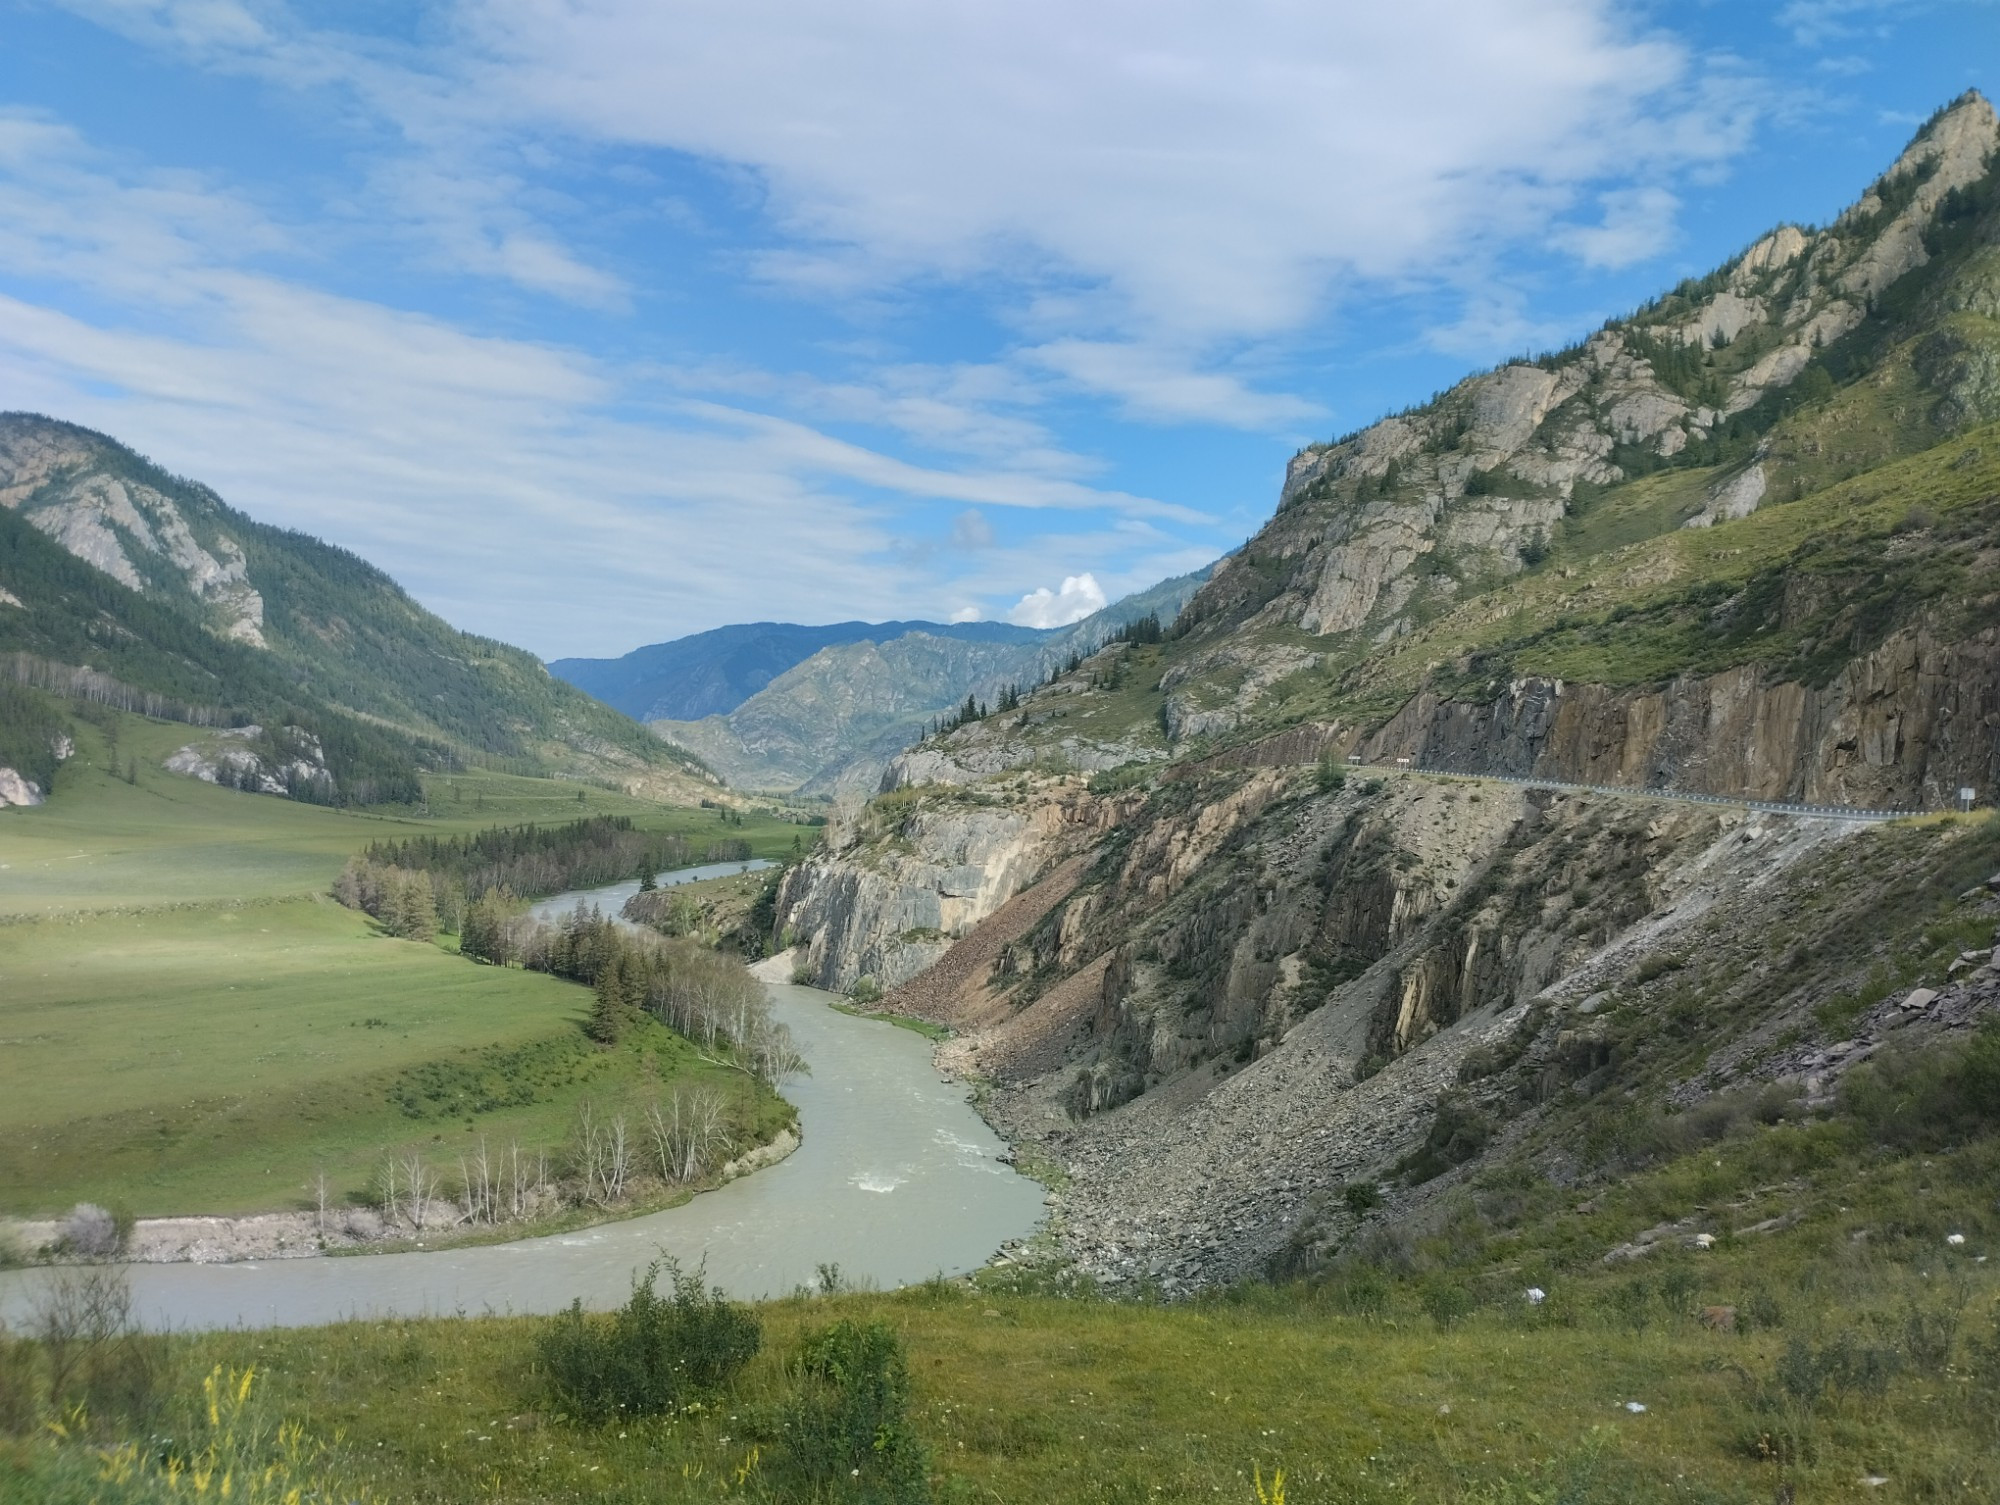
(897, 1180)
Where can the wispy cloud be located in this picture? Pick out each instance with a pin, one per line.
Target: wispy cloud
(527, 489)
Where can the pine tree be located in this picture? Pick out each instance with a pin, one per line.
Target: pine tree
(607, 1015)
(415, 915)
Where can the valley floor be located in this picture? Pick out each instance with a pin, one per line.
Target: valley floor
(192, 1027)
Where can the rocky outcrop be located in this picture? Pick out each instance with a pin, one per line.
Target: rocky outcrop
(1308, 1001)
(1378, 528)
(1731, 497)
(131, 531)
(289, 762)
(891, 890)
(1044, 735)
(17, 790)
(1903, 727)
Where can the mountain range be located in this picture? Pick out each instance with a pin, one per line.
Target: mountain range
(712, 673)
(822, 710)
(122, 583)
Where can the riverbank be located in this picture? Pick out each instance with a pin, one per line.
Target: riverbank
(357, 1230)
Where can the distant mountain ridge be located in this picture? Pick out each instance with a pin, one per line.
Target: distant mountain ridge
(830, 723)
(712, 673)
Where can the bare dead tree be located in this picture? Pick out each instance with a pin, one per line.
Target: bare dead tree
(517, 1179)
(689, 1134)
(96, 1358)
(617, 1160)
(589, 1150)
(420, 1187)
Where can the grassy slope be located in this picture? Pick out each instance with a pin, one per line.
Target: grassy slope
(186, 1019)
(1603, 611)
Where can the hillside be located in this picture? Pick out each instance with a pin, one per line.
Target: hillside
(833, 721)
(712, 673)
(1219, 958)
(111, 564)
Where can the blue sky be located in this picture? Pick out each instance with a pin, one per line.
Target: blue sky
(597, 322)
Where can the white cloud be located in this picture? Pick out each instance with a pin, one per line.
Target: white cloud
(965, 614)
(1170, 174)
(1171, 169)
(1637, 223)
(1161, 385)
(1077, 598)
(523, 489)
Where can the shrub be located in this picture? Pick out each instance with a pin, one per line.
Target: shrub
(846, 1432)
(96, 1359)
(1447, 1303)
(866, 991)
(652, 1354)
(1659, 964)
(1364, 1293)
(91, 1231)
(1361, 1197)
(1458, 1132)
(17, 1385)
(1930, 1098)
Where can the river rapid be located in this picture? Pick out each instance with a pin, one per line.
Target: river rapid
(897, 1179)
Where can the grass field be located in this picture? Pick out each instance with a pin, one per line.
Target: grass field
(188, 1025)
(102, 843)
(1366, 1387)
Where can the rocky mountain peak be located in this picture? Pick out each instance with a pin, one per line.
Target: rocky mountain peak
(1380, 530)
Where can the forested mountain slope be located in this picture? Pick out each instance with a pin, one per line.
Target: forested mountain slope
(110, 564)
(1744, 542)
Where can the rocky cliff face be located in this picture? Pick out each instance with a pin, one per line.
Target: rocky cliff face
(54, 476)
(1903, 727)
(893, 888)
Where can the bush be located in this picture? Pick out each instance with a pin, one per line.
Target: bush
(1932, 1098)
(91, 1231)
(97, 1362)
(17, 1385)
(1458, 1132)
(846, 1433)
(1447, 1303)
(652, 1354)
(1361, 1197)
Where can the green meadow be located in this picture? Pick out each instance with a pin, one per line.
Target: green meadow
(189, 1025)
